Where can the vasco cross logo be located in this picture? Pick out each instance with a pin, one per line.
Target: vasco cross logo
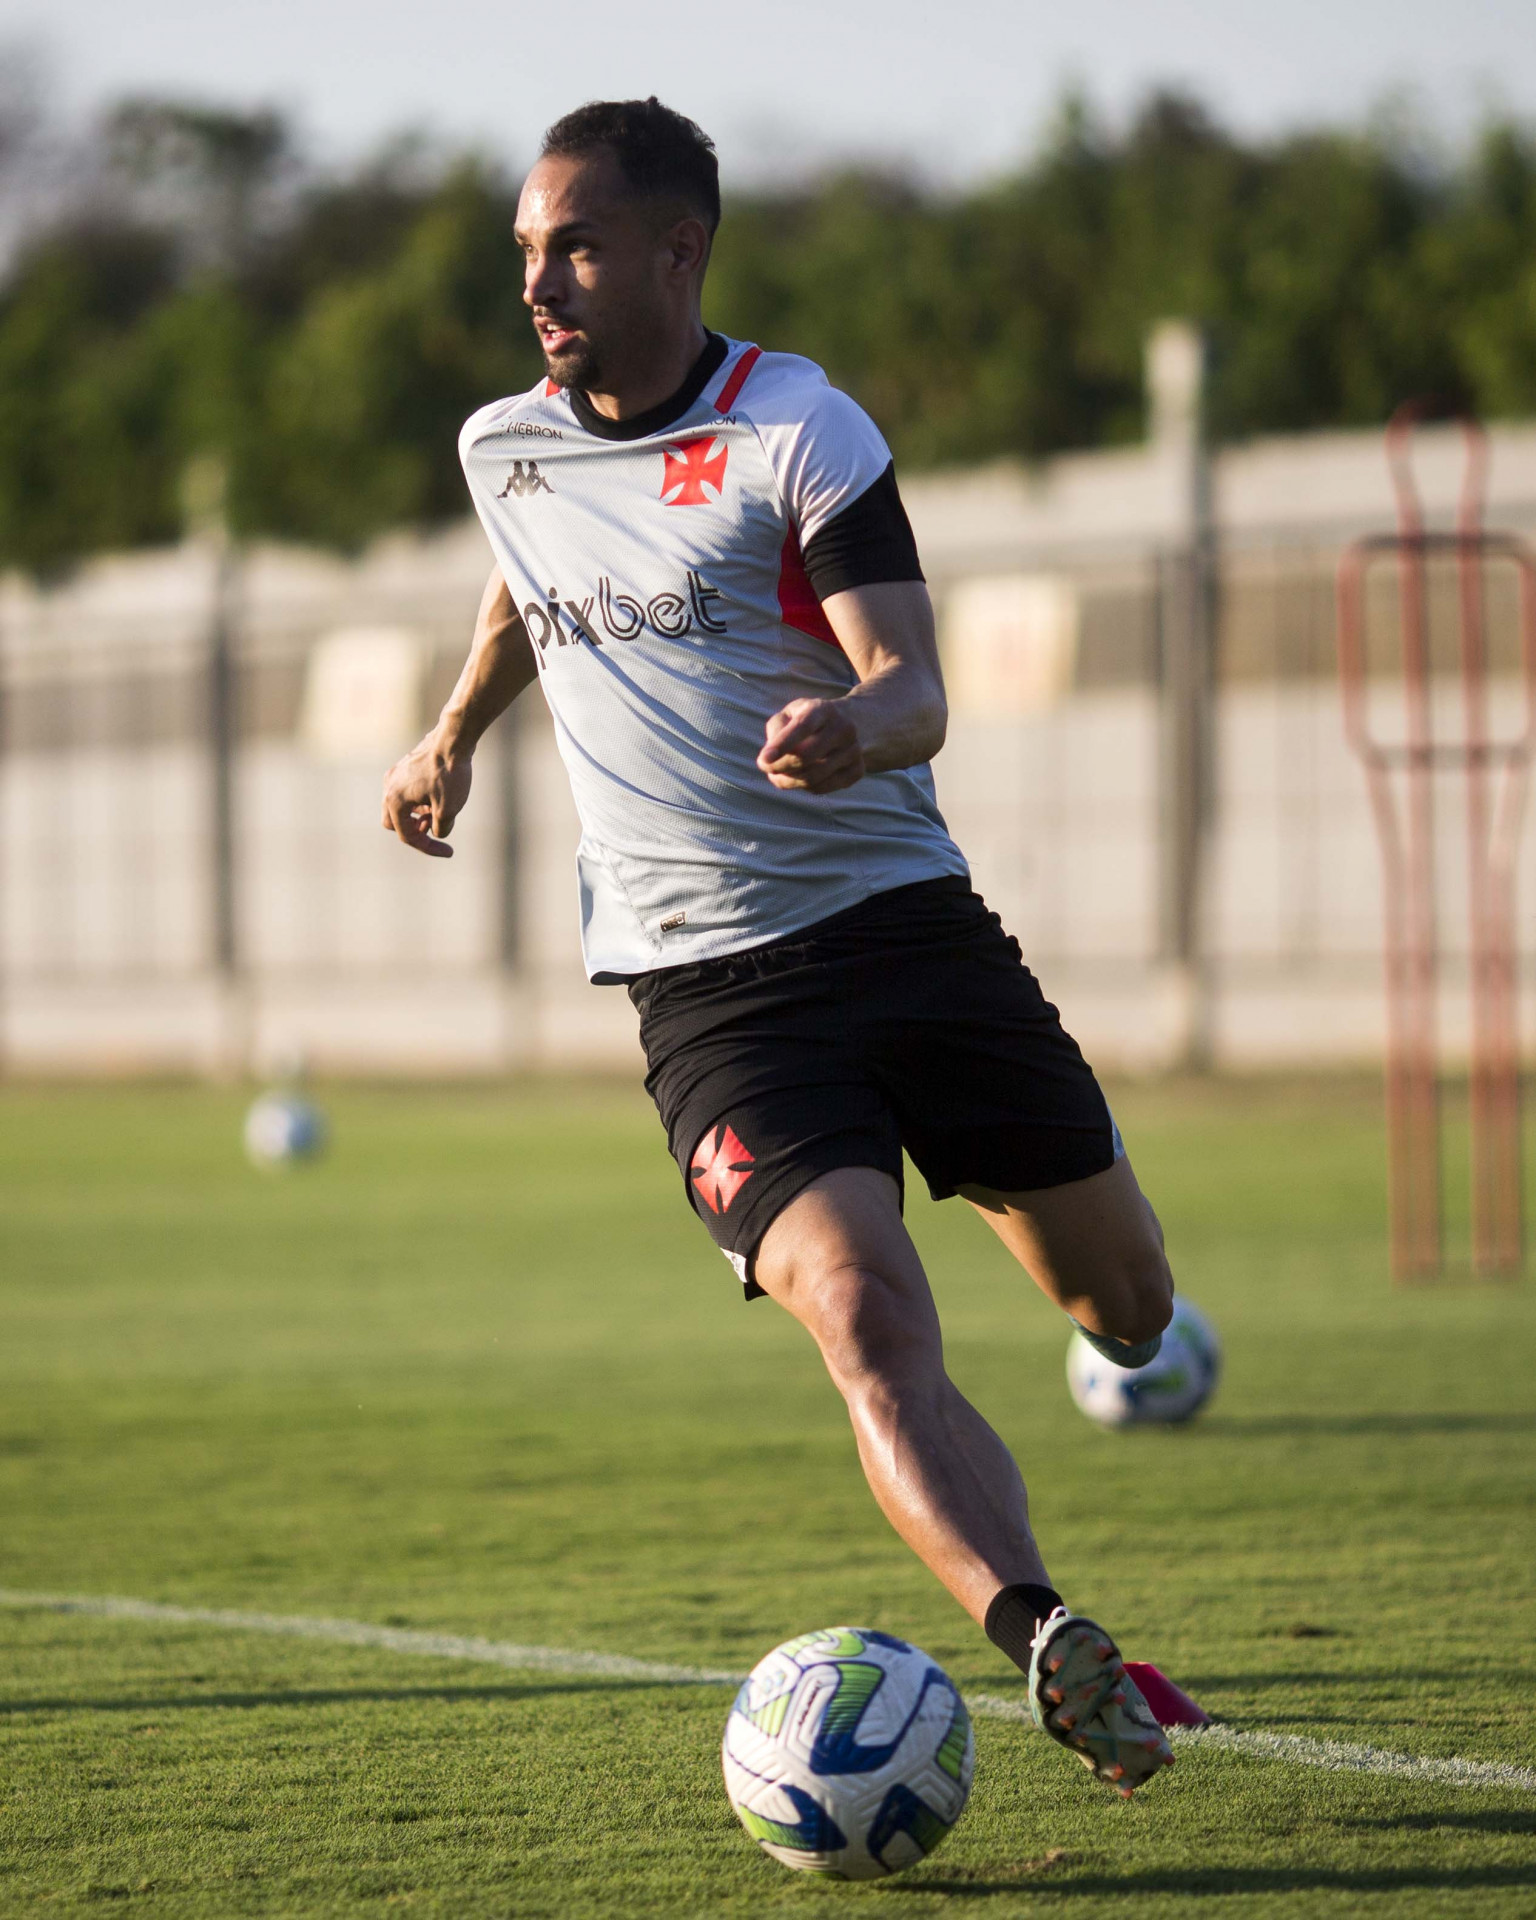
(726, 1169)
(690, 468)
(523, 480)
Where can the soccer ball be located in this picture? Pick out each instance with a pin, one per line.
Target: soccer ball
(281, 1128)
(1173, 1387)
(848, 1754)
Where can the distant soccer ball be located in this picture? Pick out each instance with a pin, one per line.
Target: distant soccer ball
(281, 1128)
(1173, 1387)
(848, 1753)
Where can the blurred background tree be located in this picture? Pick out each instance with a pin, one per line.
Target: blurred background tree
(199, 291)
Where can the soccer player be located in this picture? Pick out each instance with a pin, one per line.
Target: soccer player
(702, 557)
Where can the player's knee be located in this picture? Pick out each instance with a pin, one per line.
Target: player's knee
(871, 1335)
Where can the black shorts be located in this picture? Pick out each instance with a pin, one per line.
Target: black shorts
(909, 1021)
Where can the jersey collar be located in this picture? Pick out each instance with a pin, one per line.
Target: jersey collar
(655, 419)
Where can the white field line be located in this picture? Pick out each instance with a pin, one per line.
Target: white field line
(359, 1633)
(1336, 1756)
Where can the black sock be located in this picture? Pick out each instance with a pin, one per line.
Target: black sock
(1014, 1618)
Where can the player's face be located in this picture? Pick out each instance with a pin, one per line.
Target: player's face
(596, 263)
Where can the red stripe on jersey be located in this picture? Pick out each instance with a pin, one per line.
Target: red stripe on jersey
(798, 606)
(551, 388)
(731, 391)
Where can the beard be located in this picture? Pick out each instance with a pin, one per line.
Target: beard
(574, 366)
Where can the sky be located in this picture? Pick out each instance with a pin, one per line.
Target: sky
(956, 91)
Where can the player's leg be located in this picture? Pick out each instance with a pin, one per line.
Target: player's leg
(838, 1257)
(996, 1102)
(840, 1260)
(1093, 1246)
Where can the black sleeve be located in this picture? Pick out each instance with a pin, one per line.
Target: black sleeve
(867, 542)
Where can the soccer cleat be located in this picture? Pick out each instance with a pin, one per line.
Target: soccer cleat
(1082, 1696)
(1171, 1706)
(1121, 1352)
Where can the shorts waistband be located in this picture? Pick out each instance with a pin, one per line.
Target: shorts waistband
(893, 906)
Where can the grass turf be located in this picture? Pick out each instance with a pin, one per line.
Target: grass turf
(479, 1372)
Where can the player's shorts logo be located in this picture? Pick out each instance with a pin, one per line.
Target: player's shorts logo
(689, 468)
(524, 478)
(722, 1167)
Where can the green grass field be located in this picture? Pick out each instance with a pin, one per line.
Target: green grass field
(480, 1372)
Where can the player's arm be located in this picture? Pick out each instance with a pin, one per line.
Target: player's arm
(425, 791)
(894, 717)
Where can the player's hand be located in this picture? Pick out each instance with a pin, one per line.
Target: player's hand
(424, 794)
(812, 746)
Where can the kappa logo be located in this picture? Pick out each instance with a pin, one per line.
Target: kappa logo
(524, 479)
(690, 466)
(725, 1168)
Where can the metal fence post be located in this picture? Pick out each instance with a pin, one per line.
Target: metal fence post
(1186, 619)
(204, 492)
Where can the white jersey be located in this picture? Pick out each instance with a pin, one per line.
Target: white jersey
(661, 577)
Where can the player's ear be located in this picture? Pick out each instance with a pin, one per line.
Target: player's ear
(687, 245)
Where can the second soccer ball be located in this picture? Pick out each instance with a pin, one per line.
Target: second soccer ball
(282, 1128)
(1171, 1388)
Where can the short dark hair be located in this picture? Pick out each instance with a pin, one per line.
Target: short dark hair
(662, 154)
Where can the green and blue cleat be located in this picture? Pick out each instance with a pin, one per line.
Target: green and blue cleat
(1121, 1352)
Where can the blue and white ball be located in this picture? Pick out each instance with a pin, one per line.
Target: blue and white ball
(282, 1128)
(848, 1753)
(1170, 1388)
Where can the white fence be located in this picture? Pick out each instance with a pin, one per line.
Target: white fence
(357, 955)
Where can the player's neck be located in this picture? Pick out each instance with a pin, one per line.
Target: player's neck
(647, 386)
